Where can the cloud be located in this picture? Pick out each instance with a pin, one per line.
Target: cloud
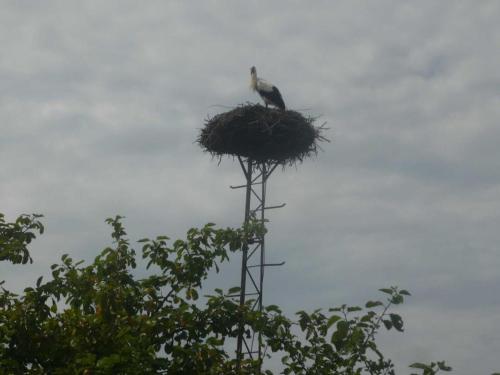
(102, 103)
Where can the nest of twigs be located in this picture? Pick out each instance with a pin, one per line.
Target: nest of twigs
(261, 134)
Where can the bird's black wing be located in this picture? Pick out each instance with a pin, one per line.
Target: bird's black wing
(273, 97)
(278, 99)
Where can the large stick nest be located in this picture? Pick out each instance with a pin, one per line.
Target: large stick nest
(261, 134)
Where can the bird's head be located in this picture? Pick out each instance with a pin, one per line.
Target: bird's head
(253, 71)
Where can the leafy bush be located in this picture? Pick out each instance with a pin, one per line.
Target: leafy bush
(101, 319)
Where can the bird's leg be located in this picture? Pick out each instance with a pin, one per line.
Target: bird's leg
(265, 104)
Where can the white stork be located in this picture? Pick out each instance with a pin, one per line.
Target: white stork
(269, 93)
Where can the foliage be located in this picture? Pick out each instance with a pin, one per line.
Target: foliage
(101, 319)
(15, 237)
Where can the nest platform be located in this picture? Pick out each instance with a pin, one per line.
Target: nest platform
(262, 134)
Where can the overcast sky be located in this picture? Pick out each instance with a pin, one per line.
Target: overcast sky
(101, 102)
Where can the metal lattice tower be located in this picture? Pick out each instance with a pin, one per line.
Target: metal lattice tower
(262, 139)
(253, 255)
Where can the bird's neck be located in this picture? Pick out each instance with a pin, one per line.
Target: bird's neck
(253, 81)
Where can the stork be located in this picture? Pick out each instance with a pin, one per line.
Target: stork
(268, 92)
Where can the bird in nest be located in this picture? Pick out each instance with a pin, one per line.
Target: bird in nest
(268, 92)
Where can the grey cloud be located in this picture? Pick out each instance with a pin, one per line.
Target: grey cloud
(102, 101)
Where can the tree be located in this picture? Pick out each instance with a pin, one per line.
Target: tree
(101, 319)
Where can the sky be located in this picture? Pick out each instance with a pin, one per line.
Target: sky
(102, 101)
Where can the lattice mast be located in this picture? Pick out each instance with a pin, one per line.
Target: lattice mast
(253, 262)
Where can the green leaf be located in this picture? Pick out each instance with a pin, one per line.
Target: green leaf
(234, 290)
(274, 308)
(332, 320)
(397, 322)
(368, 317)
(354, 308)
(357, 336)
(397, 299)
(340, 334)
(335, 309)
(386, 290)
(442, 366)
(404, 292)
(387, 324)
(39, 281)
(371, 304)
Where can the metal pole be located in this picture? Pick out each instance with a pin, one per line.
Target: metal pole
(239, 350)
(262, 255)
